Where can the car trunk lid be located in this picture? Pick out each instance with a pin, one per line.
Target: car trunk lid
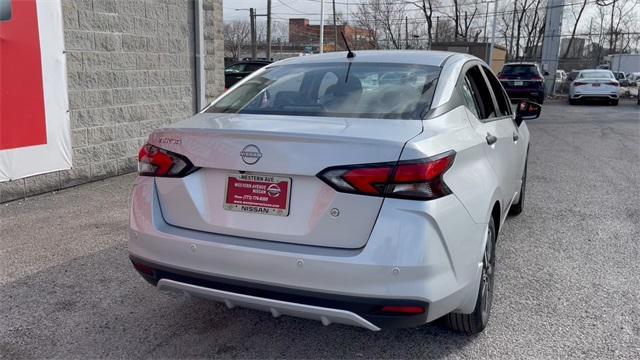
(242, 151)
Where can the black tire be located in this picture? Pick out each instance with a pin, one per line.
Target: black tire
(573, 102)
(476, 321)
(516, 208)
(614, 102)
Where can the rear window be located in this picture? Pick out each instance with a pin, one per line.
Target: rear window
(361, 90)
(520, 70)
(596, 74)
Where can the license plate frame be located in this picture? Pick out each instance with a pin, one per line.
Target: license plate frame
(257, 194)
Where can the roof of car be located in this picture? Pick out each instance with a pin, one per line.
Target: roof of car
(595, 70)
(420, 57)
(521, 63)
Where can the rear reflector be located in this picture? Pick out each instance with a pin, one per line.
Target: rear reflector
(144, 269)
(413, 179)
(154, 161)
(403, 310)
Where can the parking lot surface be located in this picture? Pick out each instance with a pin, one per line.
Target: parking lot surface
(567, 285)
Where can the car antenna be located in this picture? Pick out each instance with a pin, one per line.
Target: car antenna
(350, 54)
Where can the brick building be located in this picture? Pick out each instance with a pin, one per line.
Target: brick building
(131, 68)
(301, 33)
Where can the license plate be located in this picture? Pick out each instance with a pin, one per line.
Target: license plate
(595, 84)
(258, 194)
(518, 83)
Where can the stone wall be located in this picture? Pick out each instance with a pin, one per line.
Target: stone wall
(131, 69)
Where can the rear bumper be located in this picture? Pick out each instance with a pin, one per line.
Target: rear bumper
(424, 252)
(326, 308)
(595, 96)
(524, 93)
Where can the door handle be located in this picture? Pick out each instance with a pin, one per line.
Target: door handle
(491, 139)
(515, 136)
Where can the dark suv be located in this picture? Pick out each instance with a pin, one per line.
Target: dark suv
(523, 81)
(238, 71)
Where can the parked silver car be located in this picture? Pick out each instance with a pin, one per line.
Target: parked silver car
(593, 85)
(302, 192)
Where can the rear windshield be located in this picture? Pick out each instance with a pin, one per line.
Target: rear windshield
(596, 74)
(520, 70)
(361, 90)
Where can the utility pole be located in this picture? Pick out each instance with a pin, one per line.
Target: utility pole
(611, 45)
(513, 28)
(406, 32)
(551, 42)
(493, 32)
(268, 29)
(254, 49)
(321, 26)
(486, 18)
(437, 28)
(335, 28)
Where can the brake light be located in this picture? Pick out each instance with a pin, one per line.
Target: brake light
(413, 179)
(612, 83)
(537, 78)
(578, 83)
(154, 161)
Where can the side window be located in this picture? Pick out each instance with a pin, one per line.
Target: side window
(504, 109)
(234, 69)
(482, 94)
(469, 97)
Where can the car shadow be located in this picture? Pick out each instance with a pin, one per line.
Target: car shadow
(97, 306)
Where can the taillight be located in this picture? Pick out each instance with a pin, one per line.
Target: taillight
(154, 161)
(412, 179)
(578, 83)
(536, 78)
(612, 83)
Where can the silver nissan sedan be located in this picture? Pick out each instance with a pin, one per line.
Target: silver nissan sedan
(366, 189)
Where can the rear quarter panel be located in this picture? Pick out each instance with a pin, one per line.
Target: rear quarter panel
(471, 177)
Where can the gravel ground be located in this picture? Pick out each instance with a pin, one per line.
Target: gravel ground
(568, 281)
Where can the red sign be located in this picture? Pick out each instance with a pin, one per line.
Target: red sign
(261, 194)
(22, 114)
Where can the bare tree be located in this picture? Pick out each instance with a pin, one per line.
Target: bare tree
(236, 33)
(385, 19)
(364, 18)
(426, 6)
(575, 27)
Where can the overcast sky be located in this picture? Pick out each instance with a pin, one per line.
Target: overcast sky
(284, 9)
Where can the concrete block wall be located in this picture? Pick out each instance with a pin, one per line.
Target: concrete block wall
(131, 69)
(214, 45)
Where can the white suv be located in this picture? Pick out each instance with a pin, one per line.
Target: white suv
(365, 190)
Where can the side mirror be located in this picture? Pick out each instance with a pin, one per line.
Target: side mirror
(546, 73)
(527, 110)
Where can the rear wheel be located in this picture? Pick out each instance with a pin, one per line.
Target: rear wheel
(573, 102)
(476, 321)
(614, 102)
